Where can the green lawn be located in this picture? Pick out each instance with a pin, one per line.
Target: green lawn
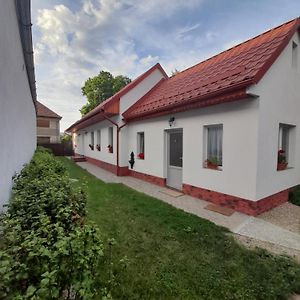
(175, 255)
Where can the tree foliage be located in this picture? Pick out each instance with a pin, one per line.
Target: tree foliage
(101, 87)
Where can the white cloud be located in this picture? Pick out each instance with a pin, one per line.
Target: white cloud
(120, 36)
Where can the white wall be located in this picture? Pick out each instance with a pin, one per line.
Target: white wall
(239, 119)
(279, 92)
(125, 102)
(140, 90)
(17, 113)
(104, 154)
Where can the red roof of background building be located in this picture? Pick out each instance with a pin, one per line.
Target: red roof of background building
(96, 114)
(44, 111)
(219, 79)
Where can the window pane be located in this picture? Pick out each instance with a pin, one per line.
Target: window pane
(141, 142)
(175, 149)
(92, 138)
(110, 136)
(214, 142)
(99, 137)
(285, 139)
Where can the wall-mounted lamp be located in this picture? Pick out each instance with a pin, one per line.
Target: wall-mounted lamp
(171, 121)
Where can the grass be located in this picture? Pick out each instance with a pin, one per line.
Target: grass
(166, 253)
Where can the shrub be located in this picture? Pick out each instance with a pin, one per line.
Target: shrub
(294, 196)
(49, 252)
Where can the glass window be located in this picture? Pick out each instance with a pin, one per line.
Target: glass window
(92, 138)
(175, 145)
(110, 139)
(285, 144)
(214, 144)
(99, 137)
(141, 145)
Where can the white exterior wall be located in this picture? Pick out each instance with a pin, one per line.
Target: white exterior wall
(240, 121)
(140, 90)
(104, 155)
(17, 112)
(279, 102)
(125, 102)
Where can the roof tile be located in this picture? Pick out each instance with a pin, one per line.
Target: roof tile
(44, 111)
(245, 63)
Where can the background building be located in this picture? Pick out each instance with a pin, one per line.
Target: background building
(48, 129)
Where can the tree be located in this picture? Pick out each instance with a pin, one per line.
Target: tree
(101, 87)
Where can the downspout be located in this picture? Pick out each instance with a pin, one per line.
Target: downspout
(118, 137)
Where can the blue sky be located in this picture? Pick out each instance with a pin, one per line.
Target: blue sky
(75, 39)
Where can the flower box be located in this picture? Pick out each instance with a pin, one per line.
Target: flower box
(281, 160)
(281, 166)
(141, 156)
(110, 149)
(212, 166)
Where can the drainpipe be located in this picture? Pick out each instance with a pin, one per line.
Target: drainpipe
(118, 136)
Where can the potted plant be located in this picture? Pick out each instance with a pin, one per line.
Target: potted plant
(141, 155)
(110, 148)
(281, 160)
(212, 163)
(98, 147)
(91, 146)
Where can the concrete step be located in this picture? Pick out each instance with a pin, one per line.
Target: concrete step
(78, 158)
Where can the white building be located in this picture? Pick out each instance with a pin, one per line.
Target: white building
(17, 92)
(224, 130)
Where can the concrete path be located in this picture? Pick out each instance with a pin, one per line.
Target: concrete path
(238, 223)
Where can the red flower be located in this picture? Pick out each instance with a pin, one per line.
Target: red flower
(281, 151)
(141, 156)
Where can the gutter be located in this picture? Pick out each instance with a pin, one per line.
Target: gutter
(118, 138)
(23, 11)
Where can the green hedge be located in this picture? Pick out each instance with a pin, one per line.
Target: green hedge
(294, 196)
(48, 251)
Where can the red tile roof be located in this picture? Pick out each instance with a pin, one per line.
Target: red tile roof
(44, 111)
(221, 78)
(96, 114)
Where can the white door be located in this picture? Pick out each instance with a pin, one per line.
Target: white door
(174, 161)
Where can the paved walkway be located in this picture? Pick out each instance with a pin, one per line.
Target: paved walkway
(238, 223)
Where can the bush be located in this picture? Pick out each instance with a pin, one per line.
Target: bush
(294, 196)
(49, 252)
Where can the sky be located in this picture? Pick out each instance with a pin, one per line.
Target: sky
(76, 39)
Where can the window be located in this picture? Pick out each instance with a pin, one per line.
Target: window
(294, 55)
(98, 146)
(92, 138)
(141, 145)
(285, 145)
(43, 123)
(214, 146)
(91, 145)
(110, 140)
